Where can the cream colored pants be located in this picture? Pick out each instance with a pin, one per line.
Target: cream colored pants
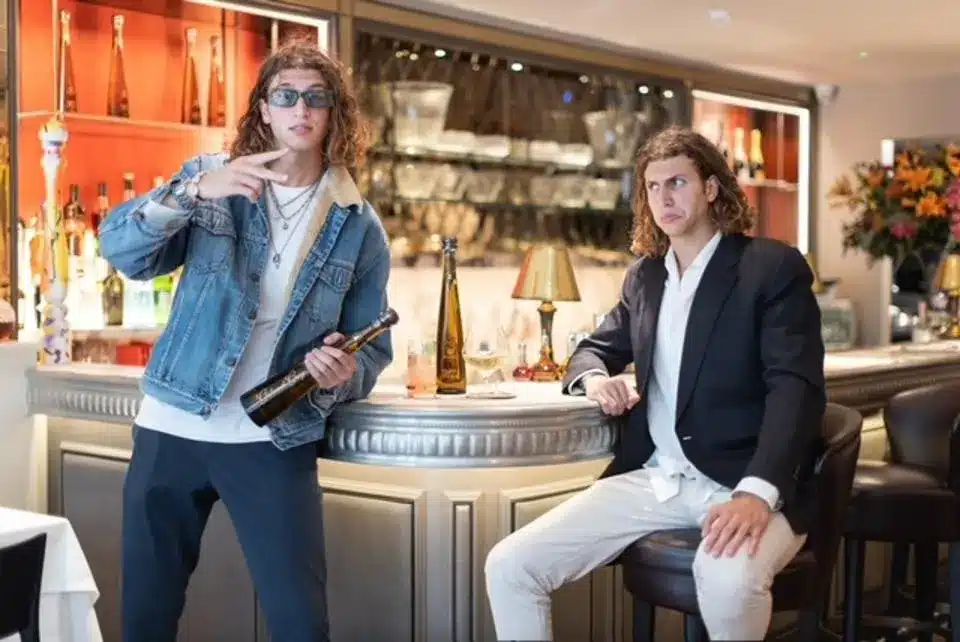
(596, 525)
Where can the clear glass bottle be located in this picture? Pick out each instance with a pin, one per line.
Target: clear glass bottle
(118, 101)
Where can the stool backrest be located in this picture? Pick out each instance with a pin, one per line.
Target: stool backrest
(21, 572)
(834, 471)
(919, 426)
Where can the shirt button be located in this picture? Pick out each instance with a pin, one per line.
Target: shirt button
(232, 361)
(138, 215)
(252, 315)
(254, 277)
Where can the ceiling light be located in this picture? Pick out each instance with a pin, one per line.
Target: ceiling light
(643, 89)
(668, 93)
(864, 54)
(516, 66)
(719, 16)
(439, 53)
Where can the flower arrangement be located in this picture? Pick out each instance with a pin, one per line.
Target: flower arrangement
(908, 209)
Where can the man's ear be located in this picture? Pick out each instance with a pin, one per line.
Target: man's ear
(712, 189)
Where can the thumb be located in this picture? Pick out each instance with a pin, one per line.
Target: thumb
(333, 339)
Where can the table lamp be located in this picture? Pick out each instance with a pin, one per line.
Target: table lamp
(948, 281)
(546, 276)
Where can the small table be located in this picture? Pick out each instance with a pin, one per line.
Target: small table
(68, 591)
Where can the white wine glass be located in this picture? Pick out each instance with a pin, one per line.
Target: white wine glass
(486, 350)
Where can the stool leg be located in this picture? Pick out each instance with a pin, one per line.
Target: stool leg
(899, 585)
(644, 621)
(955, 590)
(925, 561)
(694, 630)
(853, 560)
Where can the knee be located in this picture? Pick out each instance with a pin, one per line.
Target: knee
(510, 564)
(726, 579)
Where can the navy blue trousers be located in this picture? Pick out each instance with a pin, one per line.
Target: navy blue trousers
(274, 502)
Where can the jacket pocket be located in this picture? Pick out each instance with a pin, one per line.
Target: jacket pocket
(332, 284)
(213, 241)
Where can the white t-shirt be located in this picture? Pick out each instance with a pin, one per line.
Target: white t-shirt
(228, 423)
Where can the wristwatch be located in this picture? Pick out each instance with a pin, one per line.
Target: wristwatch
(186, 191)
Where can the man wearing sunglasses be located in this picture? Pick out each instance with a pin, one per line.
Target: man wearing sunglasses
(277, 248)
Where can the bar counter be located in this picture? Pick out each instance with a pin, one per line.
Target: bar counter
(416, 492)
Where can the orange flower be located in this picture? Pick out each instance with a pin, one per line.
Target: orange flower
(895, 190)
(903, 160)
(954, 164)
(932, 205)
(915, 180)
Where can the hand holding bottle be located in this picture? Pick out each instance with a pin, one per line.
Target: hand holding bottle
(329, 365)
(243, 176)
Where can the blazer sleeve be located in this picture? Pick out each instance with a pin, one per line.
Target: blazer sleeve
(608, 350)
(792, 353)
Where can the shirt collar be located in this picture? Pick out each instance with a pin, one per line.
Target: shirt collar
(698, 263)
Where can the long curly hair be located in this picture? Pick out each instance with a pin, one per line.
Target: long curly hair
(347, 139)
(730, 211)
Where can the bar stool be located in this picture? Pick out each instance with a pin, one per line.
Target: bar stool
(21, 571)
(657, 570)
(912, 499)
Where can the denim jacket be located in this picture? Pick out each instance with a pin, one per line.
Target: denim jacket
(223, 245)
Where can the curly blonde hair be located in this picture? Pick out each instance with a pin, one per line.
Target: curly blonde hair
(730, 211)
(348, 136)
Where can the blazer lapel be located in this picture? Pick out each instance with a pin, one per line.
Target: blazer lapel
(715, 286)
(652, 280)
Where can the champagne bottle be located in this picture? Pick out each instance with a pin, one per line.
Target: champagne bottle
(69, 87)
(190, 105)
(758, 170)
(216, 94)
(451, 369)
(741, 164)
(274, 396)
(118, 103)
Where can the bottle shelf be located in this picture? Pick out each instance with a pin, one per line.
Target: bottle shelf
(426, 155)
(85, 122)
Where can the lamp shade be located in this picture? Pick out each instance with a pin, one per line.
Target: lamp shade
(546, 275)
(948, 273)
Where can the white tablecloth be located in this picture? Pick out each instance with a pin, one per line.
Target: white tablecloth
(68, 591)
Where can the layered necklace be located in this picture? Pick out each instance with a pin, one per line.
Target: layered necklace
(289, 213)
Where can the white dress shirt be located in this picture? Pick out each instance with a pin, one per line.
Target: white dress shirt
(669, 463)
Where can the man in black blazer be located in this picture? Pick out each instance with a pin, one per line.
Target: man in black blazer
(724, 415)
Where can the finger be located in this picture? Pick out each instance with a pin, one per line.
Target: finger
(339, 356)
(619, 393)
(332, 339)
(263, 157)
(756, 534)
(737, 540)
(245, 180)
(256, 171)
(337, 364)
(712, 514)
(632, 397)
(715, 537)
(726, 536)
(317, 370)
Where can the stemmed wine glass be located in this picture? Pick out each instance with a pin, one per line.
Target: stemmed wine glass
(485, 349)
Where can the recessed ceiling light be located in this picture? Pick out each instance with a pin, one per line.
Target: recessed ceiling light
(864, 54)
(719, 16)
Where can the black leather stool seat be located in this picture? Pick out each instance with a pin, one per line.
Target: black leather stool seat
(890, 501)
(657, 569)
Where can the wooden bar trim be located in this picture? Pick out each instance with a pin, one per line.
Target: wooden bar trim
(326, 6)
(568, 49)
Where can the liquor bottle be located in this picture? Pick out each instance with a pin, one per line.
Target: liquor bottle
(546, 369)
(522, 372)
(68, 84)
(451, 368)
(118, 102)
(758, 171)
(216, 94)
(190, 105)
(741, 164)
(273, 397)
(74, 222)
(128, 191)
(113, 296)
(101, 211)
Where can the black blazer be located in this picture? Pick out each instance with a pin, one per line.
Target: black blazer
(752, 392)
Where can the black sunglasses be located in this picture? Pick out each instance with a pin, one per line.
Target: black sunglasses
(288, 97)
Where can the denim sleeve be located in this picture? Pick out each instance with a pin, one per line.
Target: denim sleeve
(144, 239)
(364, 302)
